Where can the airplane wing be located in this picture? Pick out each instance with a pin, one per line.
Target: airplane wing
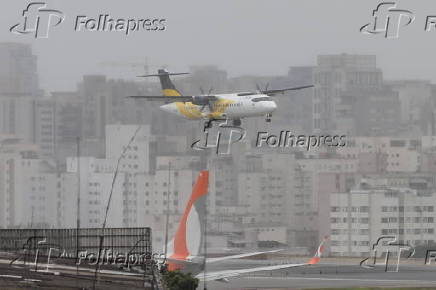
(218, 259)
(281, 91)
(176, 261)
(185, 98)
(164, 98)
(223, 275)
(199, 100)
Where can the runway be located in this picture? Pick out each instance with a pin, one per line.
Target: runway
(333, 276)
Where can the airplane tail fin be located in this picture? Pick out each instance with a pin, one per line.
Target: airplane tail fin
(188, 238)
(168, 88)
(317, 257)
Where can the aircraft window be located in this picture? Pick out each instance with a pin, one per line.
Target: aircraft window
(260, 99)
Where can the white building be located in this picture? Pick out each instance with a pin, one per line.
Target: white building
(136, 157)
(30, 118)
(95, 177)
(166, 192)
(360, 217)
(403, 154)
(266, 191)
(28, 195)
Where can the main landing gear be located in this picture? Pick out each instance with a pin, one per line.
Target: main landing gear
(208, 124)
(234, 122)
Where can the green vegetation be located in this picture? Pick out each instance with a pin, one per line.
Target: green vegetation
(176, 280)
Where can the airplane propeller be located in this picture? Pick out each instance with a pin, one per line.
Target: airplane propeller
(209, 102)
(259, 90)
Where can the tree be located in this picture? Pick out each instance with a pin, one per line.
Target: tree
(176, 280)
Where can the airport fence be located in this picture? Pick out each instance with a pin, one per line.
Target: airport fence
(71, 243)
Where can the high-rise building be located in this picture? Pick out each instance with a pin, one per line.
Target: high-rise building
(134, 155)
(44, 126)
(18, 72)
(334, 75)
(95, 177)
(223, 181)
(360, 217)
(93, 92)
(416, 112)
(31, 119)
(27, 186)
(208, 78)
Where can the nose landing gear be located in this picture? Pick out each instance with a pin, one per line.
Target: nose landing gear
(268, 118)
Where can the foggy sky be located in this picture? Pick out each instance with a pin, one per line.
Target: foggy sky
(242, 37)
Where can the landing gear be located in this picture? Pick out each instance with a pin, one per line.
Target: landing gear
(222, 123)
(208, 124)
(268, 118)
(236, 122)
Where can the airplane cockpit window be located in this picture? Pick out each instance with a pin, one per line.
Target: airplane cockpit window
(260, 99)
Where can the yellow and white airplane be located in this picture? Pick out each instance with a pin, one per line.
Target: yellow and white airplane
(217, 107)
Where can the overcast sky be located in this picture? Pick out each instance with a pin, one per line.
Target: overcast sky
(242, 37)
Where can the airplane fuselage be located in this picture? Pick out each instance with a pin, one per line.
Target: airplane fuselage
(227, 106)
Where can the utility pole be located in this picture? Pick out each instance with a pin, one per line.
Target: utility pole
(205, 243)
(78, 205)
(103, 227)
(167, 222)
(31, 220)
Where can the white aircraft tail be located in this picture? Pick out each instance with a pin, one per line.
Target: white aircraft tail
(188, 238)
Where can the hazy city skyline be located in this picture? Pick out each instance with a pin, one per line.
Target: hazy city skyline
(303, 122)
(265, 41)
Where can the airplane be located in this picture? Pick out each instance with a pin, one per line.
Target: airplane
(216, 107)
(183, 252)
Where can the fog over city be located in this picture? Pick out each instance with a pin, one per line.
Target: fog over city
(242, 37)
(81, 147)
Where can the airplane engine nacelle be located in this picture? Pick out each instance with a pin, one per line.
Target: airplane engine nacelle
(200, 100)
